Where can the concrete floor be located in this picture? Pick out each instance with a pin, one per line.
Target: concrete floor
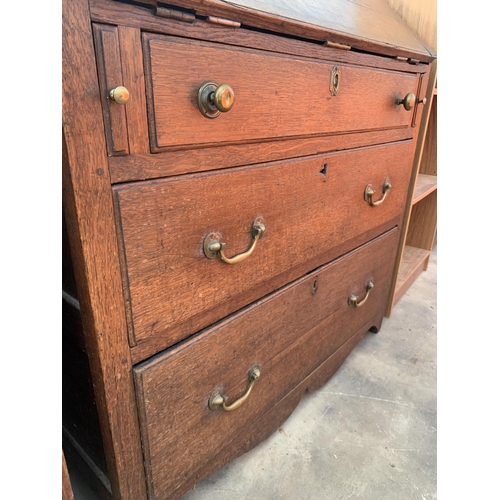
(369, 433)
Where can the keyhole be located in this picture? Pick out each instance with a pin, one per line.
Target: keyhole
(315, 287)
(324, 170)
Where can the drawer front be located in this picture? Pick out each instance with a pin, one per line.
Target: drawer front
(286, 336)
(309, 207)
(275, 95)
(110, 74)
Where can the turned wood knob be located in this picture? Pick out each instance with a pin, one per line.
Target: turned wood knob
(408, 102)
(119, 94)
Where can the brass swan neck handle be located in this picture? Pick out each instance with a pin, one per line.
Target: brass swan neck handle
(369, 192)
(213, 247)
(353, 300)
(217, 399)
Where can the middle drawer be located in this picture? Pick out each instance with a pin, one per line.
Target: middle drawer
(309, 207)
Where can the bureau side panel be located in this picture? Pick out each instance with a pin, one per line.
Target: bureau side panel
(92, 236)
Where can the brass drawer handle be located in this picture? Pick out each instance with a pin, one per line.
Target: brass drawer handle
(369, 192)
(408, 102)
(215, 99)
(120, 95)
(218, 399)
(353, 299)
(212, 246)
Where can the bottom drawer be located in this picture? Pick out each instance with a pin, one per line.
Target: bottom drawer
(285, 336)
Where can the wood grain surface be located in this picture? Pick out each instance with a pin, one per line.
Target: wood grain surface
(110, 76)
(151, 287)
(421, 17)
(369, 25)
(428, 84)
(428, 162)
(309, 206)
(133, 80)
(287, 335)
(423, 221)
(412, 264)
(88, 209)
(369, 19)
(265, 425)
(275, 96)
(151, 166)
(424, 185)
(113, 12)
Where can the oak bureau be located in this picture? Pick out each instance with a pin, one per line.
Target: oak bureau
(234, 177)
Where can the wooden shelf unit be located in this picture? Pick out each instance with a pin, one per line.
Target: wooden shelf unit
(418, 231)
(424, 186)
(413, 263)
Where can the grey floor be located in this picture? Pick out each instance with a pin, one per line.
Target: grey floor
(369, 433)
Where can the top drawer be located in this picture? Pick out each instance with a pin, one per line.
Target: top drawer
(275, 95)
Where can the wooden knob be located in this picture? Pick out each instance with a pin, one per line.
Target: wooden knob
(120, 95)
(223, 98)
(408, 102)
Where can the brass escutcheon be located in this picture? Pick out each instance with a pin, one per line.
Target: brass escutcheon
(217, 399)
(334, 80)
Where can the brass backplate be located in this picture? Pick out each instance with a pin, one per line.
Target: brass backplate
(209, 239)
(368, 192)
(256, 222)
(207, 107)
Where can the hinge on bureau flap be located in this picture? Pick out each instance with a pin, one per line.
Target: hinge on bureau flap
(224, 22)
(337, 45)
(409, 60)
(178, 15)
(188, 17)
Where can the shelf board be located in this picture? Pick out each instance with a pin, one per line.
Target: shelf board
(435, 91)
(425, 185)
(412, 264)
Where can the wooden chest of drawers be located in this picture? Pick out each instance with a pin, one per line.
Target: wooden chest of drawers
(234, 180)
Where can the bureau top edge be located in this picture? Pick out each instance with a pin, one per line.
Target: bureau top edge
(372, 27)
